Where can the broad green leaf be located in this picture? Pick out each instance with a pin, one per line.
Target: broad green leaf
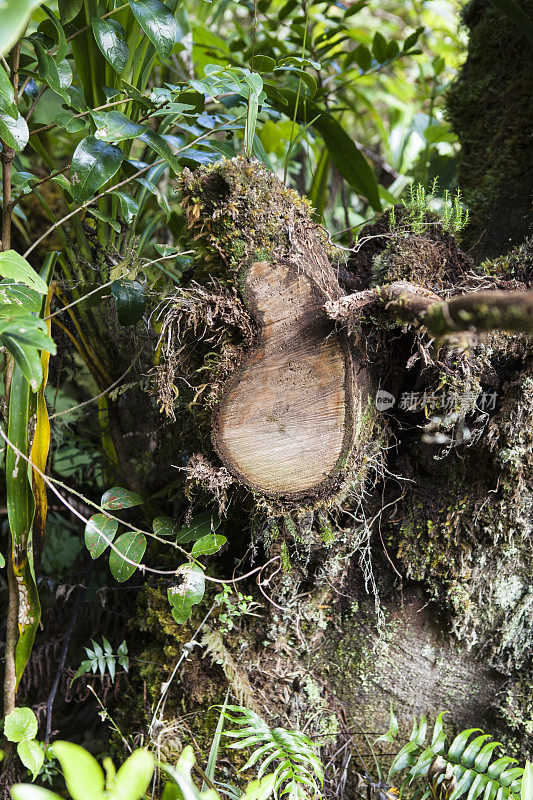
(187, 593)
(130, 300)
(412, 38)
(114, 126)
(31, 754)
(264, 63)
(56, 74)
(208, 544)
(200, 525)
(83, 776)
(117, 497)
(128, 205)
(458, 745)
(20, 724)
(68, 9)
(13, 20)
(13, 265)
(27, 330)
(14, 132)
(61, 51)
(158, 22)
(99, 531)
(111, 39)
(132, 545)
(28, 359)
(133, 778)
(27, 791)
(161, 147)
(94, 162)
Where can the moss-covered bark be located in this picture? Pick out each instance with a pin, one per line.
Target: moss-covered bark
(490, 108)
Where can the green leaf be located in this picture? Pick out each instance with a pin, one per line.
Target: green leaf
(27, 330)
(56, 74)
(13, 20)
(13, 265)
(132, 545)
(111, 39)
(101, 215)
(164, 526)
(526, 792)
(20, 724)
(158, 22)
(99, 531)
(28, 360)
(7, 95)
(31, 754)
(133, 778)
(208, 544)
(14, 132)
(264, 63)
(94, 162)
(26, 791)
(458, 745)
(187, 593)
(83, 776)
(130, 300)
(412, 38)
(117, 498)
(68, 9)
(114, 126)
(157, 143)
(379, 47)
(200, 525)
(128, 205)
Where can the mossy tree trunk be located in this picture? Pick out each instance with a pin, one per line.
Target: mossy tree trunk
(407, 565)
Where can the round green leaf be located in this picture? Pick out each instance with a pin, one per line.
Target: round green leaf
(187, 593)
(130, 300)
(20, 724)
(117, 497)
(132, 545)
(111, 39)
(208, 545)
(31, 754)
(158, 22)
(94, 162)
(99, 531)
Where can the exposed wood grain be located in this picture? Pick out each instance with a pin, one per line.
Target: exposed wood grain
(285, 423)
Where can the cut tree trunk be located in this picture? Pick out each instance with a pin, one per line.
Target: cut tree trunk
(285, 423)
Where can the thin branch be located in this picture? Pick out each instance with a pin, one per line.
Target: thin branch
(475, 311)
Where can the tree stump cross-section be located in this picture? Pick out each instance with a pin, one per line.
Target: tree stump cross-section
(285, 422)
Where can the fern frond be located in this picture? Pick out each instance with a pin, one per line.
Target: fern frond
(464, 769)
(298, 775)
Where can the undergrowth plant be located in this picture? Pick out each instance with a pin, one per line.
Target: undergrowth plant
(298, 770)
(466, 768)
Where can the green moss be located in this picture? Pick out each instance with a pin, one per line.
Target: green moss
(490, 109)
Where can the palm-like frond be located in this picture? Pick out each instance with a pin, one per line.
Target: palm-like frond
(464, 769)
(298, 771)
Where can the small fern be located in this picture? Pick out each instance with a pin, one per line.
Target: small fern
(464, 769)
(298, 774)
